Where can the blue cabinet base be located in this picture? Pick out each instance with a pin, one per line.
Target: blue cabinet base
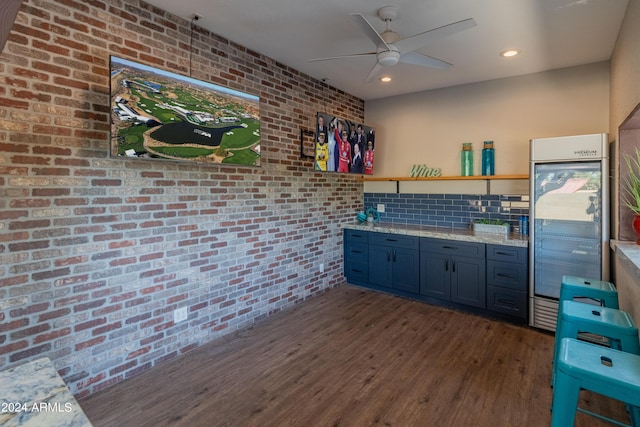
(487, 280)
(489, 314)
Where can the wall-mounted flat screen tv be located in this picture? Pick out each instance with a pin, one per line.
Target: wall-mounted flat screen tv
(158, 114)
(343, 146)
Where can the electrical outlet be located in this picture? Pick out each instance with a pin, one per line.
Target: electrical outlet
(321, 268)
(180, 314)
(380, 208)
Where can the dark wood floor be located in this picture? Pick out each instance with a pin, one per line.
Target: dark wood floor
(352, 357)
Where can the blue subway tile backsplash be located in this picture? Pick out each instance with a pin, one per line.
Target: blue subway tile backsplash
(446, 210)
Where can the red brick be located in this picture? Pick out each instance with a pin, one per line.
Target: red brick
(89, 305)
(31, 32)
(53, 335)
(27, 332)
(90, 343)
(13, 103)
(152, 289)
(15, 346)
(25, 311)
(90, 324)
(44, 317)
(91, 380)
(31, 351)
(107, 328)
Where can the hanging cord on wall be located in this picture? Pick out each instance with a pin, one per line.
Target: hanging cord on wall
(195, 18)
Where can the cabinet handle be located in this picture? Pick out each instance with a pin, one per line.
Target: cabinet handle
(453, 266)
(391, 240)
(504, 253)
(356, 252)
(446, 265)
(506, 276)
(506, 301)
(388, 255)
(355, 270)
(455, 248)
(394, 255)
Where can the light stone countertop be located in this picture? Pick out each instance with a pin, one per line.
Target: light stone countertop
(629, 254)
(33, 394)
(442, 233)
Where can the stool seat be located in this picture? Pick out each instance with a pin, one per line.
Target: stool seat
(616, 326)
(602, 370)
(580, 287)
(599, 320)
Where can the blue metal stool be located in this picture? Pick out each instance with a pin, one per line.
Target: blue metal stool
(579, 287)
(615, 325)
(572, 287)
(602, 370)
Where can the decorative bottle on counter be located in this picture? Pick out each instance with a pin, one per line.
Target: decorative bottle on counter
(524, 225)
(466, 160)
(488, 159)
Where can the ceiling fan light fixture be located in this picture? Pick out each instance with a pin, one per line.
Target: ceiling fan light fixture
(388, 58)
(385, 79)
(509, 53)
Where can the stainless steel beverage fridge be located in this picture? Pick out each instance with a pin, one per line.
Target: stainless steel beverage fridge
(569, 221)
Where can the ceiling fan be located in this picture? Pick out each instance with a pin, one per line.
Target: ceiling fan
(391, 49)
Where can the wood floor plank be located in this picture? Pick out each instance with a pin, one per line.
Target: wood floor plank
(351, 357)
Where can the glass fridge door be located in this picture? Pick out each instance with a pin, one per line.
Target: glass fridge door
(567, 224)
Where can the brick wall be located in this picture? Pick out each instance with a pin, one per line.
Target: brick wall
(97, 252)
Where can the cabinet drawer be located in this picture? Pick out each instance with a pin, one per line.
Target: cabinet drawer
(453, 247)
(356, 271)
(507, 253)
(357, 252)
(507, 275)
(356, 236)
(396, 240)
(507, 301)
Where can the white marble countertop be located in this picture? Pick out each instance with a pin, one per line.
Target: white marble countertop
(442, 233)
(33, 394)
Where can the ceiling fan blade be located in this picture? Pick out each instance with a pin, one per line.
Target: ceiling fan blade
(368, 29)
(355, 55)
(373, 73)
(416, 58)
(412, 43)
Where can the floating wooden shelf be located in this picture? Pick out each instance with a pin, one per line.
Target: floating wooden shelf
(445, 178)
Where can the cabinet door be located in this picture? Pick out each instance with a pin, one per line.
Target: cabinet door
(435, 275)
(380, 272)
(356, 256)
(405, 270)
(468, 283)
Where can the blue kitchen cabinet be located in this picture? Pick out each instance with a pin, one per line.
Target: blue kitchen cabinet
(507, 279)
(453, 271)
(394, 261)
(483, 278)
(356, 256)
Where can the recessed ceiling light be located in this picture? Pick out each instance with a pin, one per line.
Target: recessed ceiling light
(509, 53)
(385, 79)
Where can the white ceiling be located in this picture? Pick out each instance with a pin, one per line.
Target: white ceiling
(550, 34)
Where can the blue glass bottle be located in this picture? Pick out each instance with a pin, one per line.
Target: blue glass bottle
(488, 159)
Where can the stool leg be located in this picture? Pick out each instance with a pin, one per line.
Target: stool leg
(556, 343)
(565, 329)
(611, 302)
(566, 393)
(634, 413)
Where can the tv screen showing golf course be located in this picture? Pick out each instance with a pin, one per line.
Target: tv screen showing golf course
(158, 114)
